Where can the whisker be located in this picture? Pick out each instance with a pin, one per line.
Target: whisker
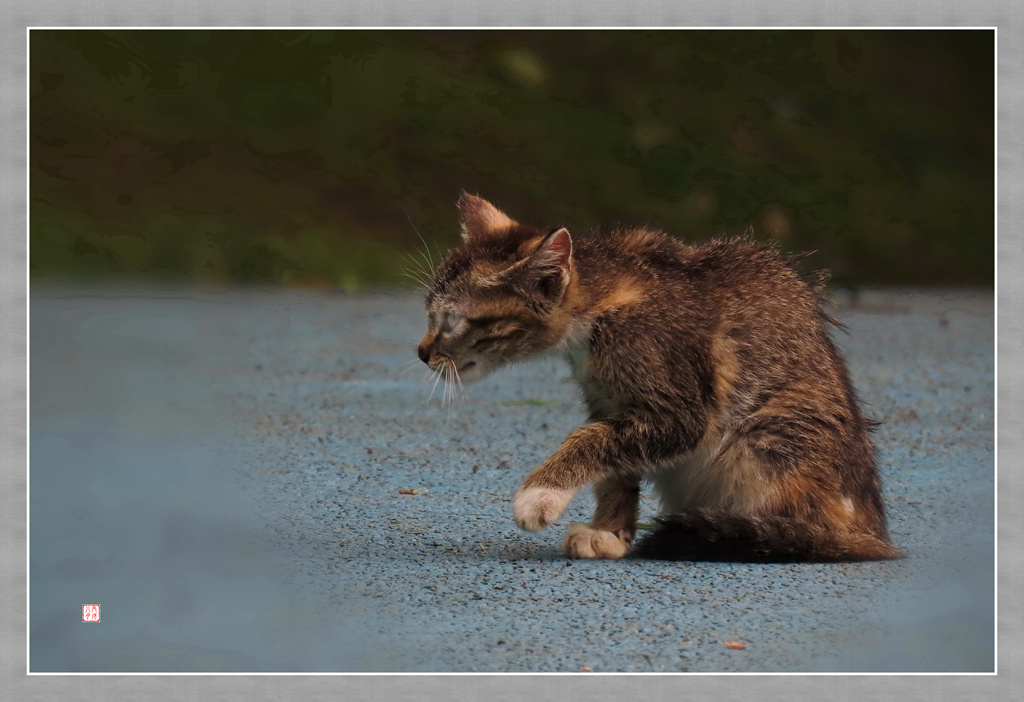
(416, 265)
(409, 368)
(420, 281)
(438, 374)
(429, 257)
(448, 385)
(424, 379)
(462, 388)
(414, 274)
(444, 390)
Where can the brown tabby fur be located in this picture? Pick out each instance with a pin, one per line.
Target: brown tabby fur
(707, 370)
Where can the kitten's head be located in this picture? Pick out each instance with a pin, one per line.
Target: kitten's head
(499, 297)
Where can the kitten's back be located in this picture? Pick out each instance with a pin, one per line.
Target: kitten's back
(786, 469)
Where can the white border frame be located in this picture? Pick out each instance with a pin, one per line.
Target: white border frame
(811, 14)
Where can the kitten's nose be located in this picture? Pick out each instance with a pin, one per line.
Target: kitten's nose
(424, 353)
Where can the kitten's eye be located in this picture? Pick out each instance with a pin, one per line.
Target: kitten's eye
(450, 320)
(485, 321)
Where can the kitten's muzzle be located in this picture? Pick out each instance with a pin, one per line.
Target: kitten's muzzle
(432, 357)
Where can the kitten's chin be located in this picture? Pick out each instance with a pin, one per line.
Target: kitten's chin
(483, 366)
(472, 371)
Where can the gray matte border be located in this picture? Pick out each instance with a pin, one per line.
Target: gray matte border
(522, 13)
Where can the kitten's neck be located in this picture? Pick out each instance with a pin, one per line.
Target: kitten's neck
(575, 313)
(588, 297)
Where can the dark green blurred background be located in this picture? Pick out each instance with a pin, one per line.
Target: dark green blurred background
(308, 157)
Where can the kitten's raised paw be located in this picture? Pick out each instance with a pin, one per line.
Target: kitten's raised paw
(583, 541)
(536, 507)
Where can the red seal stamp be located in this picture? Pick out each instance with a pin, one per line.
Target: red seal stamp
(90, 613)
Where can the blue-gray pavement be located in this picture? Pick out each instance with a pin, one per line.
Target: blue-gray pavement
(222, 473)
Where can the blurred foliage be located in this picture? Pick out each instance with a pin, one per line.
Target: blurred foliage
(313, 157)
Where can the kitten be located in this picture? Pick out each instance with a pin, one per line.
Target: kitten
(707, 370)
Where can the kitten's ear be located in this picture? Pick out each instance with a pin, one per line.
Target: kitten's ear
(481, 219)
(554, 253)
(550, 268)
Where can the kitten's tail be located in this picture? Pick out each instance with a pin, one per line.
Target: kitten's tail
(714, 535)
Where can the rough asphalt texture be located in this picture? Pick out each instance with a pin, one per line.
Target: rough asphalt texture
(223, 474)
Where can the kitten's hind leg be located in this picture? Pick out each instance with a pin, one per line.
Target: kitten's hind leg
(610, 534)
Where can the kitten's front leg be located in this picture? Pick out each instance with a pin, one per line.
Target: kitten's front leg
(610, 534)
(537, 506)
(600, 449)
(547, 490)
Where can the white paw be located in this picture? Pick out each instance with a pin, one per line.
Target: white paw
(536, 507)
(583, 541)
